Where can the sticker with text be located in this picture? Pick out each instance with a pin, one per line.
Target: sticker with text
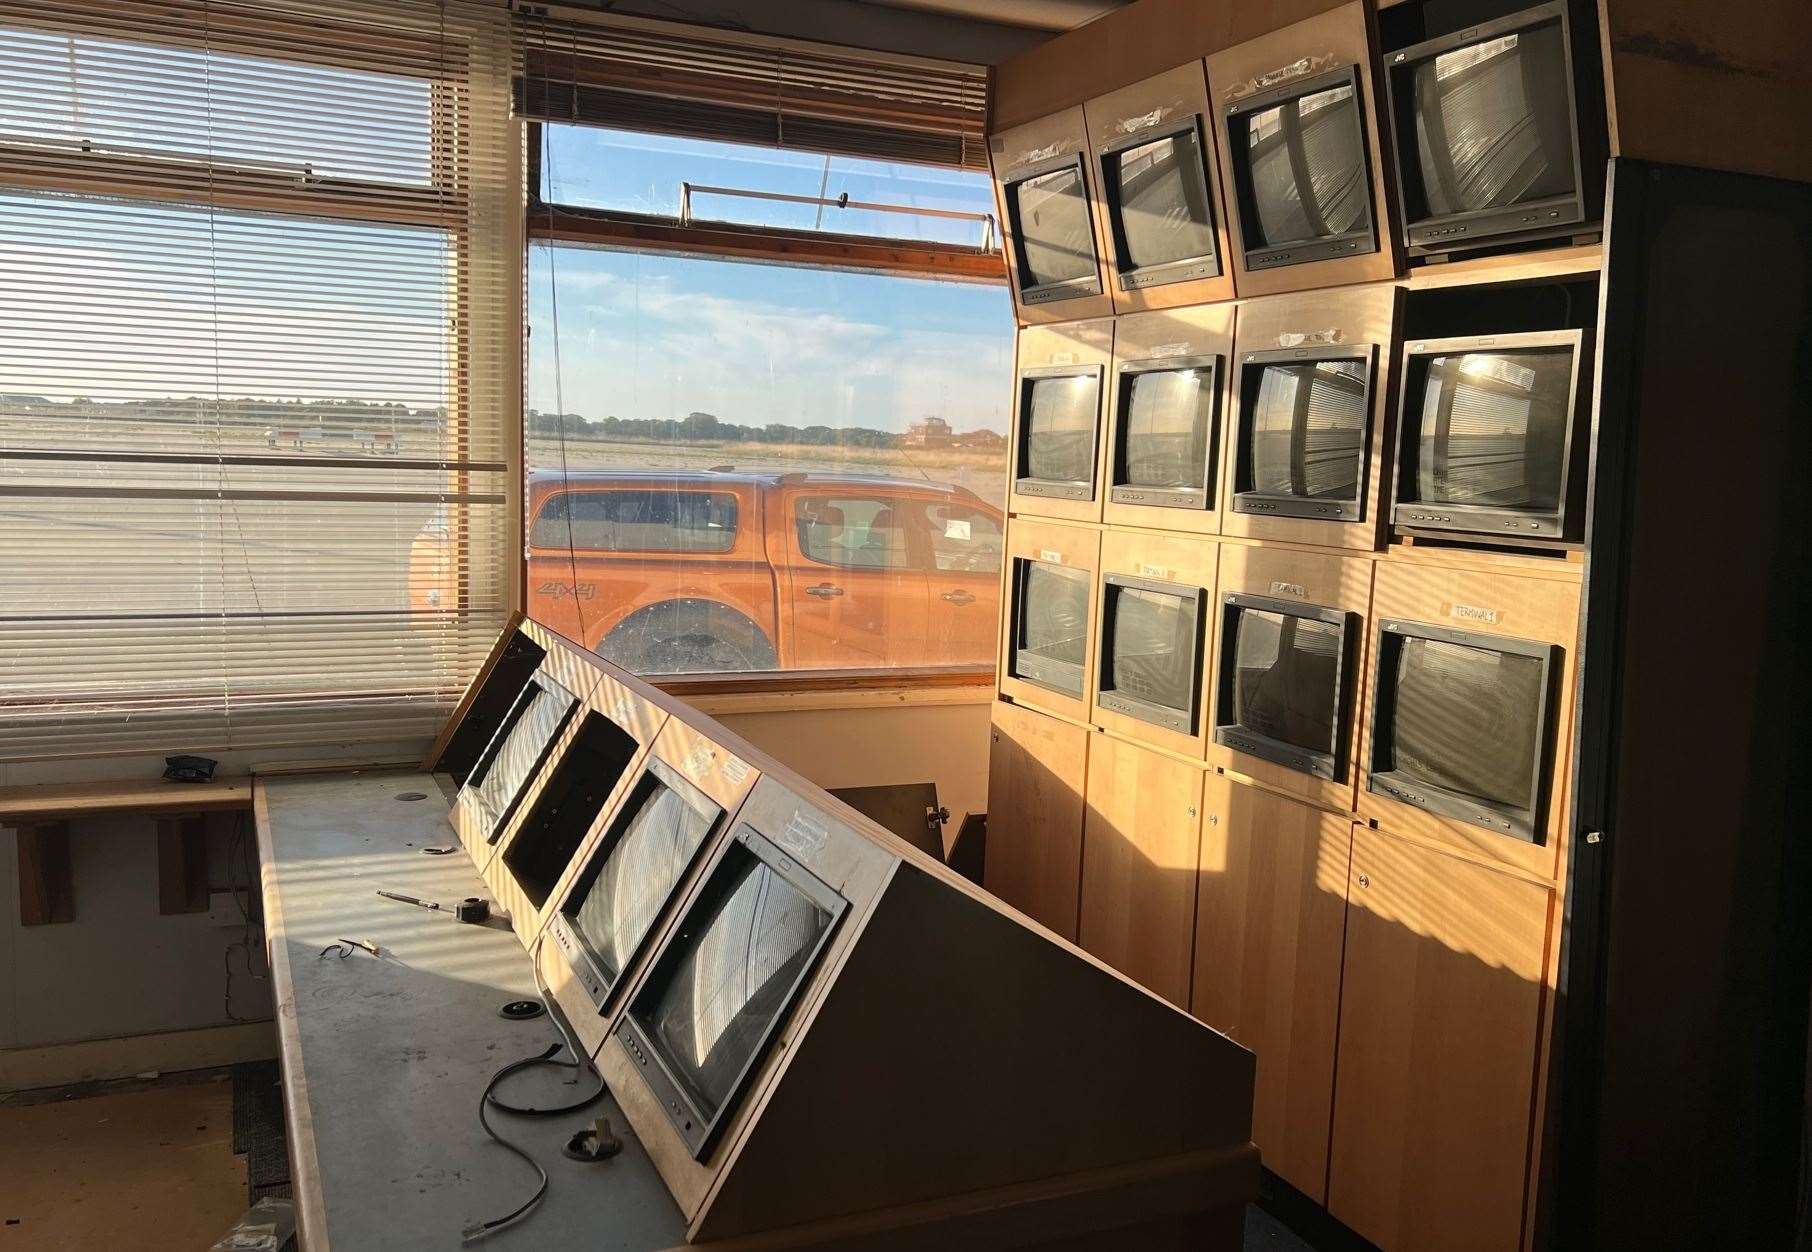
(1472, 613)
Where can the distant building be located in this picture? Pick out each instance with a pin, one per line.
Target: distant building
(933, 432)
(987, 440)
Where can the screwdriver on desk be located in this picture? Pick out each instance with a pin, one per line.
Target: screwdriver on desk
(420, 904)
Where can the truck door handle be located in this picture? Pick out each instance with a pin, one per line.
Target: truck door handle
(824, 591)
(958, 597)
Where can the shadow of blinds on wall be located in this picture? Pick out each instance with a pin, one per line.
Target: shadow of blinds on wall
(642, 74)
(260, 273)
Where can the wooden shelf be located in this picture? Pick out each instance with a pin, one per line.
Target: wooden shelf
(48, 801)
(1510, 267)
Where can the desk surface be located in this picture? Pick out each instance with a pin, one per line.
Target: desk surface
(385, 1058)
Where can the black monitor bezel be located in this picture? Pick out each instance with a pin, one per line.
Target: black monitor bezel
(1067, 289)
(1038, 670)
(590, 969)
(496, 823)
(1108, 697)
(1230, 734)
(1129, 277)
(1409, 515)
(1432, 233)
(696, 1128)
(516, 661)
(1200, 498)
(1053, 488)
(1528, 824)
(1357, 242)
(1267, 504)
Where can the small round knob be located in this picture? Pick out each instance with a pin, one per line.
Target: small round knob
(1365, 880)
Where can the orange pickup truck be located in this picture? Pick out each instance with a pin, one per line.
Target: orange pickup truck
(689, 571)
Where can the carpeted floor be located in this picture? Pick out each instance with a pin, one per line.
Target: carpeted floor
(129, 1166)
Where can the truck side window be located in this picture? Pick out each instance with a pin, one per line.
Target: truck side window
(638, 520)
(853, 531)
(963, 538)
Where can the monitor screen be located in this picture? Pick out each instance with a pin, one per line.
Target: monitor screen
(1468, 720)
(1305, 429)
(1493, 428)
(1159, 194)
(1053, 625)
(653, 840)
(729, 975)
(1167, 429)
(1151, 645)
(566, 808)
(1286, 678)
(1060, 422)
(1056, 239)
(1494, 127)
(1305, 169)
(517, 750)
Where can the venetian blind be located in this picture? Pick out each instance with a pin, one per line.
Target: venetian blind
(641, 74)
(260, 279)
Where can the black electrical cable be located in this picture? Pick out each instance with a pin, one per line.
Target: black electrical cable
(489, 1100)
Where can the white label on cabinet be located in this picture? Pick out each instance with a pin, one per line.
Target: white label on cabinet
(1472, 613)
(1289, 589)
(1050, 556)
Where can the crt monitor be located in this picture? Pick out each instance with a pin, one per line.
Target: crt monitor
(1059, 432)
(1151, 650)
(1051, 232)
(1304, 416)
(651, 842)
(1169, 428)
(517, 749)
(1050, 624)
(1485, 132)
(1486, 437)
(1460, 725)
(1160, 213)
(489, 704)
(703, 1020)
(1283, 682)
(1300, 171)
(562, 815)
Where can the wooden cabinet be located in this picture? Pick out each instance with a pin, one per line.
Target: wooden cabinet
(1441, 1004)
(1270, 917)
(1036, 768)
(1140, 840)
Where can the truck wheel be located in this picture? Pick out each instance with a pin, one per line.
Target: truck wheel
(687, 637)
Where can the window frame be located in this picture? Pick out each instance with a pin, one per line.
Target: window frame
(548, 223)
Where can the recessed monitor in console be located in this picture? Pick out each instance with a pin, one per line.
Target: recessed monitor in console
(516, 663)
(1486, 132)
(652, 841)
(1059, 427)
(1052, 233)
(1169, 414)
(1151, 650)
(1161, 215)
(1460, 724)
(523, 740)
(1300, 171)
(1487, 434)
(563, 813)
(1304, 414)
(1050, 624)
(1284, 680)
(707, 1013)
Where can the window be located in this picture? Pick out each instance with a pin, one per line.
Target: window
(858, 533)
(637, 520)
(848, 422)
(252, 468)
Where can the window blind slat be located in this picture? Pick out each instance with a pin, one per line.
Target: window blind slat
(260, 273)
(641, 74)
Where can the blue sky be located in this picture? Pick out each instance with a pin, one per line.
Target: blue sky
(643, 335)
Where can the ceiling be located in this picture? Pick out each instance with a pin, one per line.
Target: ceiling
(1051, 15)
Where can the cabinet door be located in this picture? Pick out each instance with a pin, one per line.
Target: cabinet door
(1036, 769)
(1270, 917)
(1441, 1003)
(1140, 840)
